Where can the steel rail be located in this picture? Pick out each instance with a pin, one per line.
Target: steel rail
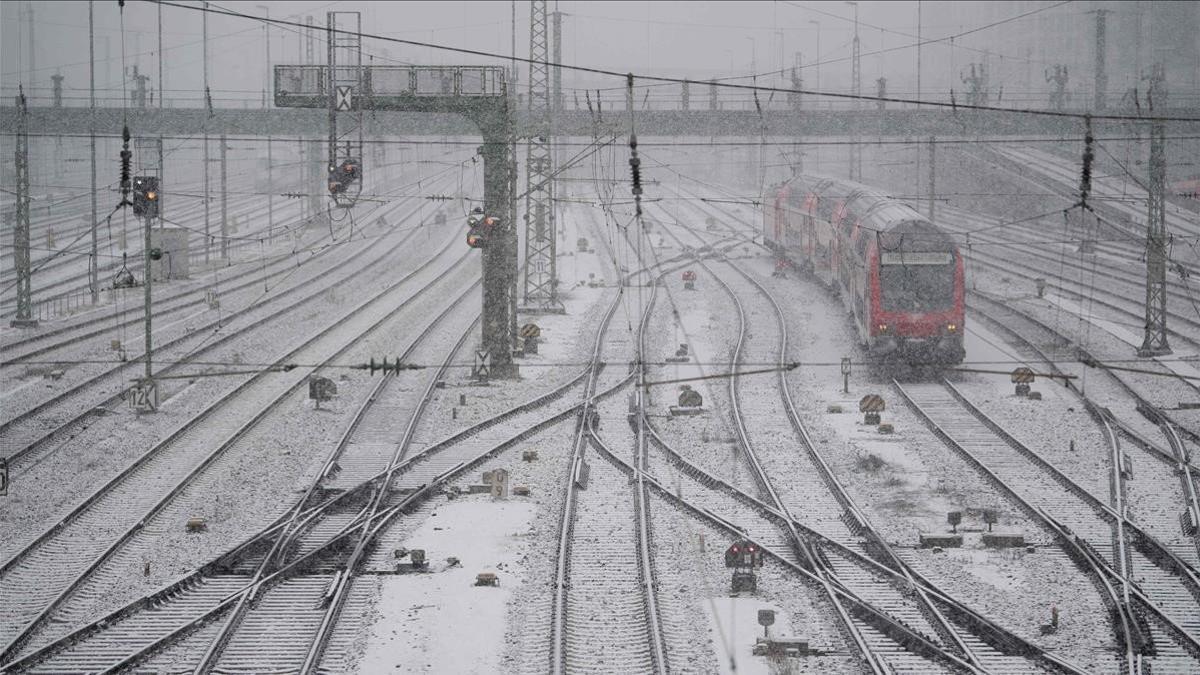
(986, 627)
(183, 299)
(296, 524)
(15, 643)
(342, 582)
(1163, 454)
(641, 493)
(844, 594)
(859, 519)
(558, 636)
(802, 546)
(7, 426)
(1128, 630)
(1179, 461)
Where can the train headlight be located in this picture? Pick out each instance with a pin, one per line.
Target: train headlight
(952, 327)
(883, 328)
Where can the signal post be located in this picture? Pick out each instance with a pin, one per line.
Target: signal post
(478, 93)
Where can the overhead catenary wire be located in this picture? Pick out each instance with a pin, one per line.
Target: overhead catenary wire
(676, 80)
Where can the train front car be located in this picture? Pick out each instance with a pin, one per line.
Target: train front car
(916, 296)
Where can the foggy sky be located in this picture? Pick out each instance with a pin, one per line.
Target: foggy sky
(694, 39)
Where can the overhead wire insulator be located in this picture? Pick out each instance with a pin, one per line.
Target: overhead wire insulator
(126, 165)
(1089, 154)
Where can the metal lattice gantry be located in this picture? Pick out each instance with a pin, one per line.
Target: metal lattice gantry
(1154, 342)
(541, 274)
(346, 82)
(480, 94)
(21, 260)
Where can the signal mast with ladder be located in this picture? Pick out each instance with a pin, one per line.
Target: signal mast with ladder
(345, 81)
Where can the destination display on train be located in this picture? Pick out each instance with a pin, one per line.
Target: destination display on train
(915, 258)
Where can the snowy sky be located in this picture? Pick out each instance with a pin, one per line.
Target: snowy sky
(694, 39)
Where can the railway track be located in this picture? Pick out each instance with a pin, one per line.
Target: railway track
(27, 432)
(901, 636)
(55, 284)
(188, 607)
(167, 305)
(604, 613)
(1157, 553)
(1159, 604)
(37, 580)
(1158, 467)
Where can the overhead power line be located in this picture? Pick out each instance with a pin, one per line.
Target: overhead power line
(658, 78)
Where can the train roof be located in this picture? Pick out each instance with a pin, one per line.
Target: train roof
(875, 208)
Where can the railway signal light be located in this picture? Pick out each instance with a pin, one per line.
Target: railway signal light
(343, 174)
(480, 227)
(145, 196)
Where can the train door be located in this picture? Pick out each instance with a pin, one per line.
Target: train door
(841, 249)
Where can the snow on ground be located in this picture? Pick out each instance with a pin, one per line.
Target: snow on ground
(1124, 334)
(906, 482)
(733, 630)
(439, 622)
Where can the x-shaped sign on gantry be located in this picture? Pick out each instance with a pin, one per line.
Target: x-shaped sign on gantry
(479, 93)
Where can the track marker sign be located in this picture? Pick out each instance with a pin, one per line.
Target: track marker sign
(345, 99)
(871, 405)
(143, 396)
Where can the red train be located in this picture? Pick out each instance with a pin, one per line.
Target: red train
(900, 277)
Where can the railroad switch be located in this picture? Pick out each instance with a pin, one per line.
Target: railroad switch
(487, 579)
(196, 525)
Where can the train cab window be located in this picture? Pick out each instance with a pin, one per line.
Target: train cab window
(926, 285)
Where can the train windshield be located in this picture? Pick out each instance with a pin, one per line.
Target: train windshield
(916, 281)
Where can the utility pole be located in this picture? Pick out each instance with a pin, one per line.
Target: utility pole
(918, 96)
(313, 159)
(794, 97)
(541, 278)
(856, 83)
(266, 104)
(208, 105)
(556, 55)
(21, 263)
(932, 174)
(31, 65)
(1101, 53)
(161, 91)
(146, 274)
(94, 263)
(224, 204)
(1154, 342)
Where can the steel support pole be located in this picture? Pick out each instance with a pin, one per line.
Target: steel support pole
(224, 203)
(21, 261)
(94, 264)
(1101, 52)
(146, 282)
(1154, 341)
(932, 174)
(207, 197)
(160, 62)
(499, 265)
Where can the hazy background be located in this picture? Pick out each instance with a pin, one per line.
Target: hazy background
(698, 40)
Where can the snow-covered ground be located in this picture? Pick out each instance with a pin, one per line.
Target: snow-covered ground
(439, 621)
